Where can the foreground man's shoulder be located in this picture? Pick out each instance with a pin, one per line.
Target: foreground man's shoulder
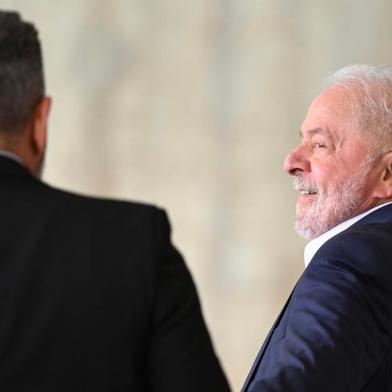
(76, 197)
(103, 206)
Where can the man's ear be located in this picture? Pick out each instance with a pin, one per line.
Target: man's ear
(39, 126)
(385, 188)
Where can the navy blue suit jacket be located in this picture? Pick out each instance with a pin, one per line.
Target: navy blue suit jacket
(334, 333)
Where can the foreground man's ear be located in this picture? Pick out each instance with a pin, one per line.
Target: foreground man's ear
(36, 137)
(39, 126)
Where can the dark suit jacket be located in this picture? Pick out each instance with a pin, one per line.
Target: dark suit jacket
(334, 334)
(93, 296)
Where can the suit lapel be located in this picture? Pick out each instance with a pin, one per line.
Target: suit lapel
(259, 357)
(381, 215)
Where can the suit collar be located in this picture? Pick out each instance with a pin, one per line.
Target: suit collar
(11, 168)
(313, 246)
(381, 215)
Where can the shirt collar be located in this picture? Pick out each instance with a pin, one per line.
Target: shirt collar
(313, 246)
(11, 155)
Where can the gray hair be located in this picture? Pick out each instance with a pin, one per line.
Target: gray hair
(371, 86)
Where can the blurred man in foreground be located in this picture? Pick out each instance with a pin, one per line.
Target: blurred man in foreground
(93, 296)
(334, 333)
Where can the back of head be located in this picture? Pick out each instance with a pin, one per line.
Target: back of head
(21, 73)
(371, 88)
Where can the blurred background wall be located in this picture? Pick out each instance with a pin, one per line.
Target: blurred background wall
(193, 105)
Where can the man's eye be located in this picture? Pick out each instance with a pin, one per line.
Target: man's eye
(319, 145)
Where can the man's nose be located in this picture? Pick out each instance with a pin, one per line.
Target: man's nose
(296, 162)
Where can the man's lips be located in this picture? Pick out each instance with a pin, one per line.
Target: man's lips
(304, 192)
(306, 196)
(306, 188)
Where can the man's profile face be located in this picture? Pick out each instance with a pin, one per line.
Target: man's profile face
(331, 171)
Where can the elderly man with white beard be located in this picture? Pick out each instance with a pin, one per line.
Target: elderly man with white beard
(335, 332)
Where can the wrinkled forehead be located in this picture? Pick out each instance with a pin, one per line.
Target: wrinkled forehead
(336, 108)
(339, 100)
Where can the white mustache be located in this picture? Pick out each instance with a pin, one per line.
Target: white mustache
(301, 185)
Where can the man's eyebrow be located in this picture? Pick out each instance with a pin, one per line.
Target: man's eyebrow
(316, 131)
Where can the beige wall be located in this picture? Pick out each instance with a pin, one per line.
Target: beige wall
(193, 105)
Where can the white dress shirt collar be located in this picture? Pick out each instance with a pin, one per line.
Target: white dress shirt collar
(11, 155)
(313, 246)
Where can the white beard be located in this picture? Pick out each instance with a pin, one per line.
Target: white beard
(333, 205)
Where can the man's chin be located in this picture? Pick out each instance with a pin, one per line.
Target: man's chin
(302, 211)
(304, 230)
(309, 226)
(312, 226)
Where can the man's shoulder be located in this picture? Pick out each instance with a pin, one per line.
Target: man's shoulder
(362, 248)
(371, 236)
(97, 206)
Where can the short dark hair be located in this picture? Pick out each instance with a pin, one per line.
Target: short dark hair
(21, 72)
